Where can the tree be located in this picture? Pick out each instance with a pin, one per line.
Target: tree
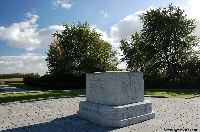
(78, 49)
(164, 44)
(190, 71)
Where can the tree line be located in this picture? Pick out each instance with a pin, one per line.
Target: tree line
(164, 49)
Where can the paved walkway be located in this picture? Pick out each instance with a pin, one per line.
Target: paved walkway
(12, 89)
(59, 115)
(8, 89)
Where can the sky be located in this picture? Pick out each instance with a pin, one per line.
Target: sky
(26, 26)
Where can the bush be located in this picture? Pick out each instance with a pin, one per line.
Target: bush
(162, 82)
(67, 81)
(33, 80)
(61, 86)
(50, 82)
(67, 78)
(171, 85)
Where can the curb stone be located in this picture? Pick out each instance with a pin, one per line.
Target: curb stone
(193, 97)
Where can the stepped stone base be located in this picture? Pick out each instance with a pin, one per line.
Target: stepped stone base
(116, 116)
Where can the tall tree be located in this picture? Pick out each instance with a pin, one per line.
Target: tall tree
(165, 43)
(78, 49)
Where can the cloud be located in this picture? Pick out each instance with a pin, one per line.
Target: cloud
(45, 35)
(27, 63)
(115, 45)
(126, 27)
(123, 29)
(104, 13)
(131, 23)
(192, 10)
(22, 34)
(105, 36)
(26, 34)
(62, 3)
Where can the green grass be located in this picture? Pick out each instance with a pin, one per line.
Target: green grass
(28, 96)
(11, 79)
(59, 94)
(173, 93)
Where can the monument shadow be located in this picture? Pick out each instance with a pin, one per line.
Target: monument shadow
(70, 123)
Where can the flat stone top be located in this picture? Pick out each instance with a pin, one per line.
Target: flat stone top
(115, 88)
(60, 115)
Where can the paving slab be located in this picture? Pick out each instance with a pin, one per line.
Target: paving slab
(60, 115)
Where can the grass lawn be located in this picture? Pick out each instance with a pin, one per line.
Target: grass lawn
(60, 94)
(44, 95)
(11, 79)
(183, 93)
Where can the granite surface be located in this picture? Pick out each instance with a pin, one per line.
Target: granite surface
(115, 88)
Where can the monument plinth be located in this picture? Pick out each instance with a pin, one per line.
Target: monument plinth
(115, 99)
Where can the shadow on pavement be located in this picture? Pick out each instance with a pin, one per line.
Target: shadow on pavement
(70, 123)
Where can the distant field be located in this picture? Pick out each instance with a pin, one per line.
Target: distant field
(11, 79)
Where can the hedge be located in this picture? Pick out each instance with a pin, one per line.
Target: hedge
(49, 82)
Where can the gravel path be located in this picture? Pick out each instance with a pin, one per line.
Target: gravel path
(59, 115)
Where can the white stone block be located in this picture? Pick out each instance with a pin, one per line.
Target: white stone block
(114, 88)
(115, 99)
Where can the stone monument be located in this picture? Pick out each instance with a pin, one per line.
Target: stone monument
(115, 99)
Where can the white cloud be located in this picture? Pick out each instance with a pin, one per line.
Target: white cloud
(104, 13)
(45, 35)
(106, 37)
(62, 3)
(26, 34)
(192, 10)
(115, 45)
(27, 63)
(126, 27)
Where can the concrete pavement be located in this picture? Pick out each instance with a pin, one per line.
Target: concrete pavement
(59, 115)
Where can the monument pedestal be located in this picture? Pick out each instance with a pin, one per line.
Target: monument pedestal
(116, 116)
(115, 99)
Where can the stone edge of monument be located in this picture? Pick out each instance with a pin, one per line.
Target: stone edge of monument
(100, 110)
(116, 116)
